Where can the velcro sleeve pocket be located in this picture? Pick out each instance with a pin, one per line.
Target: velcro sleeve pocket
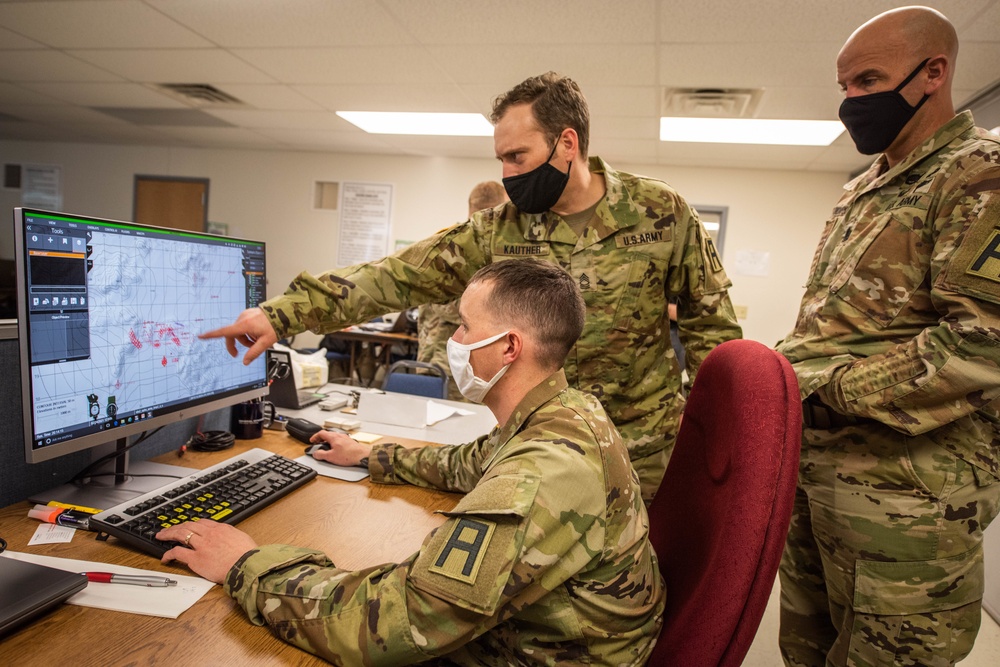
(467, 561)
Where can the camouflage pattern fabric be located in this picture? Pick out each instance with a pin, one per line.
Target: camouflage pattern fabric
(435, 325)
(899, 331)
(644, 245)
(546, 560)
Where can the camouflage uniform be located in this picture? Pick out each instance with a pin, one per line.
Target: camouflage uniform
(897, 347)
(545, 560)
(436, 324)
(643, 245)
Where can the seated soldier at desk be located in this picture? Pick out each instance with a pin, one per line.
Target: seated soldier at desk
(545, 558)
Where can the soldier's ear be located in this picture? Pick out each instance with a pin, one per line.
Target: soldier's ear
(513, 346)
(569, 143)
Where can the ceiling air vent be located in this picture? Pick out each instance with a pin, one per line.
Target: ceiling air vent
(201, 95)
(711, 102)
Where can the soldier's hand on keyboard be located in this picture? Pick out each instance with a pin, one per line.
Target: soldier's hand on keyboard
(344, 450)
(209, 548)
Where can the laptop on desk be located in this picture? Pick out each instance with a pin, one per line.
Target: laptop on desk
(28, 590)
(283, 392)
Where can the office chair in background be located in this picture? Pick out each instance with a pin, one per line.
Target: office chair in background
(719, 521)
(433, 383)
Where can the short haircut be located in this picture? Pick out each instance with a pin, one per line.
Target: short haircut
(556, 102)
(540, 298)
(486, 195)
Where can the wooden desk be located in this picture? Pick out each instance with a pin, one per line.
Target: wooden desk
(358, 338)
(358, 524)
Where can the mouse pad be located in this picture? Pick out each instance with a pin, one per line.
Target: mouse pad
(348, 474)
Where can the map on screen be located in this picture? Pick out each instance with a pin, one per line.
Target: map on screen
(115, 316)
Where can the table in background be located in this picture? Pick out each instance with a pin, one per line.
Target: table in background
(350, 521)
(363, 346)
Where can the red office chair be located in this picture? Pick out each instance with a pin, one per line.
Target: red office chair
(719, 521)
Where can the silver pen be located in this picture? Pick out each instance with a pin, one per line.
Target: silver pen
(133, 579)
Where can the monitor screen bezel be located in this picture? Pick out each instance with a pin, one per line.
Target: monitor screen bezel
(95, 440)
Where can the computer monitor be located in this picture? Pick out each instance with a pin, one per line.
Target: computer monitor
(109, 314)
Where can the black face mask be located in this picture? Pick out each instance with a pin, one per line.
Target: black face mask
(874, 121)
(538, 190)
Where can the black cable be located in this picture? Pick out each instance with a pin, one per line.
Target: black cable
(211, 441)
(3, 545)
(145, 435)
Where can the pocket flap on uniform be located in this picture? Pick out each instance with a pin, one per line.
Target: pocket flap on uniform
(897, 588)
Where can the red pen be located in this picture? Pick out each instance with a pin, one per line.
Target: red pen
(133, 579)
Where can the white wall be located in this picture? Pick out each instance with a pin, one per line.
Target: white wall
(268, 195)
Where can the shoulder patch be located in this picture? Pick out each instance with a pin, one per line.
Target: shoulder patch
(712, 256)
(462, 553)
(975, 267)
(987, 259)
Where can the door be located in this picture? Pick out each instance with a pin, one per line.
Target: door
(181, 203)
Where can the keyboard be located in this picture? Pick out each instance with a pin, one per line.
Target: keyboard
(227, 492)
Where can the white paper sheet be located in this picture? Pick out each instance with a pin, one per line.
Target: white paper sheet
(167, 602)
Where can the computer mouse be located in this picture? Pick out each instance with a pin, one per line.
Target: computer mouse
(318, 447)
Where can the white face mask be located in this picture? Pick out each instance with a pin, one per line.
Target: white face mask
(472, 387)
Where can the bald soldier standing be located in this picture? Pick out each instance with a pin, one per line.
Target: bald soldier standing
(897, 352)
(630, 242)
(545, 560)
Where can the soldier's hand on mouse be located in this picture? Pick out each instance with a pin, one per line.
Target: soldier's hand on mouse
(344, 450)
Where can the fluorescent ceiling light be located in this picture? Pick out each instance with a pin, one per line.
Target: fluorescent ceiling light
(751, 131)
(404, 122)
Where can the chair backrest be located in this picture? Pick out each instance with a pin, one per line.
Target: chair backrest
(719, 520)
(432, 382)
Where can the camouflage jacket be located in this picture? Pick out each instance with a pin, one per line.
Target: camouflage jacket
(900, 321)
(644, 244)
(544, 560)
(435, 325)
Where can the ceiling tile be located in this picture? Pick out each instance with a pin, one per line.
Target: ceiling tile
(333, 141)
(12, 40)
(737, 66)
(401, 97)
(174, 65)
(350, 65)
(218, 137)
(623, 100)
(33, 65)
(625, 65)
(782, 21)
(271, 97)
(527, 22)
(625, 127)
(82, 24)
(307, 23)
(294, 120)
(15, 94)
(106, 95)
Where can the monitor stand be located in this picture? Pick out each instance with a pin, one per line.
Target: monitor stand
(117, 481)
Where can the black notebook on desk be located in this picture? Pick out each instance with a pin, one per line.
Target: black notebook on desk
(28, 590)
